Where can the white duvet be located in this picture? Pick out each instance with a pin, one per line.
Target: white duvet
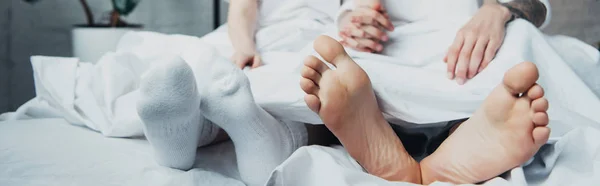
(409, 81)
(412, 88)
(102, 95)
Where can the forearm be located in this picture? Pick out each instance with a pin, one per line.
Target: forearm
(242, 25)
(533, 11)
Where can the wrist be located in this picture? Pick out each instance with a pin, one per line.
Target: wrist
(245, 46)
(502, 12)
(247, 52)
(506, 15)
(244, 50)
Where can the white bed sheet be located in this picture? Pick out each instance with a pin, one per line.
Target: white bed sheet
(54, 152)
(573, 159)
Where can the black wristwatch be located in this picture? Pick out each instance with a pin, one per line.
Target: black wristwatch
(514, 13)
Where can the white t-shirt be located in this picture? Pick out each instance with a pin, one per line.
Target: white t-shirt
(267, 7)
(410, 10)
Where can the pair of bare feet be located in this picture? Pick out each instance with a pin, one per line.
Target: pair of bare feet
(506, 131)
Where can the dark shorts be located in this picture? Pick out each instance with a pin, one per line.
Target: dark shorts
(420, 140)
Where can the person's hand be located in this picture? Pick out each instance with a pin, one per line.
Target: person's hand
(363, 28)
(242, 60)
(477, 42)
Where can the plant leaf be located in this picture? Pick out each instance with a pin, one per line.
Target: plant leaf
(124, 7)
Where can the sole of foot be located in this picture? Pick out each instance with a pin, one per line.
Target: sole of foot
(505, 132)
(345, 101)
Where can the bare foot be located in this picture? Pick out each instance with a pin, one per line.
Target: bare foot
(346, 103)
(505, 132)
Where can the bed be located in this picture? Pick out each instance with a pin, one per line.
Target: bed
(54, 152)
(98, 143)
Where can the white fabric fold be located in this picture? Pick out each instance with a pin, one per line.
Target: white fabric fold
(572, 160)
(409, 79)
(103, 96)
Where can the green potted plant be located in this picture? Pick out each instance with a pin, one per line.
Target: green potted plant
(94, 38)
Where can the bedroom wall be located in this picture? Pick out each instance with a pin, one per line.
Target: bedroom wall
(576, 18)
(44, 29)
(4, 66)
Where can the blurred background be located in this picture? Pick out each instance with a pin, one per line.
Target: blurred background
(45, 28)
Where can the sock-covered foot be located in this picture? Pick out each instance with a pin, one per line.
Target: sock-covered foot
(345, 101)
(169, 109)
(261, 141)
(505, 132)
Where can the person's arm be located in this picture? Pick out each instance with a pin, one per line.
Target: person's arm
(476, 44)
(242, 22)
(534, 11)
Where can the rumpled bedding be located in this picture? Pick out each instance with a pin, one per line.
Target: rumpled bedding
(53, 152)
(410, 83)
(572, 160)
(102, 95)
(409, 80)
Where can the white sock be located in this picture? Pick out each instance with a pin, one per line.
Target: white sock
(169, 109)
(261, 141)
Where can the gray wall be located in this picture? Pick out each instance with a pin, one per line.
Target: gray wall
(4, 65)
(577, 18)
(44, 28)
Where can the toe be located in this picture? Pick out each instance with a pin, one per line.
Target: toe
(311, 74)
(520, 78)
(309, 86)
(313, 102)
(535, 92)
(330, 49)
(539, 105)
(540, 135)
(315, 64)
(540, 119)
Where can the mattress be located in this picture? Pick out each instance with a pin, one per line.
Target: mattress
(53, 152)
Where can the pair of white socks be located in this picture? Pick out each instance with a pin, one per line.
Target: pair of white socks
(179, 99)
